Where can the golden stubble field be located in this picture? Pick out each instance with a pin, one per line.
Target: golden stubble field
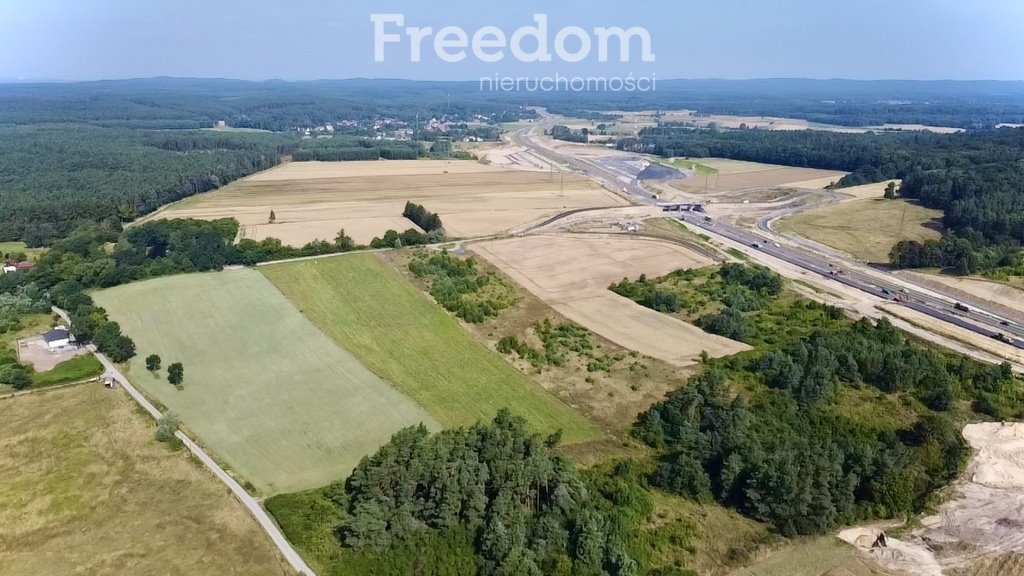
(85, 489)
(314, 200)
(572, 275)
(741, 175)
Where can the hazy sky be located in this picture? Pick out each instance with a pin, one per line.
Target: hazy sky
(310, 39)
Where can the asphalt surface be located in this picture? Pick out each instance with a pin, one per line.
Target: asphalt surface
(975, 319)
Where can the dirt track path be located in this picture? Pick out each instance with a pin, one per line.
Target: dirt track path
(248, 501)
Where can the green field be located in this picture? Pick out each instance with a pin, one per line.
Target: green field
(73, 370)
(270, 394)
(12, 248)
(698, 168)
(403, 336)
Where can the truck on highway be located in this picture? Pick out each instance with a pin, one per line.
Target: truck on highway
(1003, 338)
(961, 307)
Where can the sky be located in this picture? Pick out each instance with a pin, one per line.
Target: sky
(319, 39)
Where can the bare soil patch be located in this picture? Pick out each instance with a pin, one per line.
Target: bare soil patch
(572, 274)
(34, 351)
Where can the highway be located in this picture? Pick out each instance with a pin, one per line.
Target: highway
(922, 300)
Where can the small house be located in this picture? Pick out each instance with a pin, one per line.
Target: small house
(57, 338)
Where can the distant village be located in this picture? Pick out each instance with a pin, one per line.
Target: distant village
(475, 128)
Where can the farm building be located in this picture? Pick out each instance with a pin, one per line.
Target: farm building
(12, 266)
(58, 337)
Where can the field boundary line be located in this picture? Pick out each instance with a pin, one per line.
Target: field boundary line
(265, 521)
(47, 388)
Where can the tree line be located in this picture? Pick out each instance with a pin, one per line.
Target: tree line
(342, 148)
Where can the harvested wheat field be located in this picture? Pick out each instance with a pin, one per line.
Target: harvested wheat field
(572, 275)
(317, 199)
(741, 175)
(86, 489)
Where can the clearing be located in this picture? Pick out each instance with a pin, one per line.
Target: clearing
(273, 397)
(399, 333)
(85, 489)
(317, 199)
(978, 531)
(8, 249)
(867, 228)
(572, 275)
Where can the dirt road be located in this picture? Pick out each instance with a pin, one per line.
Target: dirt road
(248, 501)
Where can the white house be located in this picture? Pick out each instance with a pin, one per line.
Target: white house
(57, 338)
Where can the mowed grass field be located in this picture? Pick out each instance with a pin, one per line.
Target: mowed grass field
(270, 394)
(867, 228)
(405, 337)
(85, 489)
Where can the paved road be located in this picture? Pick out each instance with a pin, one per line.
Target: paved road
(248, 501)
(917, 298)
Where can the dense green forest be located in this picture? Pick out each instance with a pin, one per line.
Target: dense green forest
(55, 177)
(826, 422)
(188, 103)
(489, 499)
(975, 178)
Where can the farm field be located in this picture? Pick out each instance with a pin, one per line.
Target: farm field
(317, 199)
(271, 395)
(12, 248)
(85, 489)
(399, 333)
(867, 228)
(724, 174)
(572, 275)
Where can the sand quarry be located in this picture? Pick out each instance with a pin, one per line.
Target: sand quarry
(980, 530)
(314, 200)
(572, 275)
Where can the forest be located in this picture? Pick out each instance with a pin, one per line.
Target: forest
(975, 178)
(770, 433)
(54, 178)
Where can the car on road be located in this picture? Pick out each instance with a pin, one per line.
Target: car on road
(756, 244)
(1003, 338)
(961, 307)
(776, 244)
(886, 291)
(1004, 323)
